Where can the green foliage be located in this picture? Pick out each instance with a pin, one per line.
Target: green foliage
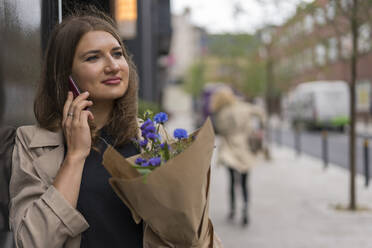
(232, 45)
(195, 79)
(237, 54)
(144, 106)
(255, 78)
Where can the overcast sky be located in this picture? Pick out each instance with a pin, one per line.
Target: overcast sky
(217, 16)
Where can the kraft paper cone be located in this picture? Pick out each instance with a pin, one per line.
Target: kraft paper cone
(173, 201)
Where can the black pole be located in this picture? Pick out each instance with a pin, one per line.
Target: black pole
(325, 147)
(366, 162)
(279, 135)
(297, 140)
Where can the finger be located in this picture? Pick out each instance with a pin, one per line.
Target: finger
(67, 106)
(79, 107)
(84, 116)
(77, 100)
(81, 97)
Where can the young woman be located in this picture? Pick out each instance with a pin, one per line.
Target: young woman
(60, 195)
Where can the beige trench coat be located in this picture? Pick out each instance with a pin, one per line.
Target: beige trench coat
(39, 214)
(233, 125)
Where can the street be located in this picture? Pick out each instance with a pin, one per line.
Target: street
(311, 144)
(293, 200)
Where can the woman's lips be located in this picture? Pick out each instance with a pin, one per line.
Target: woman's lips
(112, 81)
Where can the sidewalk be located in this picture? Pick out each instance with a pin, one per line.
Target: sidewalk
(291, 206)
(292, 200)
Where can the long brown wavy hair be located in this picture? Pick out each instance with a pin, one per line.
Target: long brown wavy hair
(53, 87)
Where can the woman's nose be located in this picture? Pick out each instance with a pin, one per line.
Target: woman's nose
(111, 65)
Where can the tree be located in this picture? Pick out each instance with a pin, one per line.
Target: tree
(351, 14)
(234, 57)
(195, 79)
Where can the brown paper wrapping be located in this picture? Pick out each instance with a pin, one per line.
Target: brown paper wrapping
(173, 202)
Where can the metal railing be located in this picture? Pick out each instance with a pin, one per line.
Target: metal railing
(324, 144)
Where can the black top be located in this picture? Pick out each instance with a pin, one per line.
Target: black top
(111, 223)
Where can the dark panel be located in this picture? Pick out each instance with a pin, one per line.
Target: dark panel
(2, 33)
(164, 27)
(49, 18)
(71, 5)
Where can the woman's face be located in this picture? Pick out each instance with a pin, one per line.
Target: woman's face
(99, 66)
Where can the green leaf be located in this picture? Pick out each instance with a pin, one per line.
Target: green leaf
(166, 151)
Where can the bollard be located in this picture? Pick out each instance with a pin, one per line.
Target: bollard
(325, 148)
(366, 162)
(297, 141)
(279, 136)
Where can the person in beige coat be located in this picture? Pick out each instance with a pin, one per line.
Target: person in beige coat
(232, 119)
(59, 190)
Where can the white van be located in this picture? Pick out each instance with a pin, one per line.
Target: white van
(320, 104)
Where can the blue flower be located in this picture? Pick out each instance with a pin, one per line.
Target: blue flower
(145, 164)
(162, 146)
(143, 143)
(140, 161)
(161, 117)
(155, 161)
(180, 133)
(150, 129)
(144, 134)
(148, 122)
(152, 136)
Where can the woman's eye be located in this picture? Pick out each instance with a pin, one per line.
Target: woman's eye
(118, 54)
(92, 58)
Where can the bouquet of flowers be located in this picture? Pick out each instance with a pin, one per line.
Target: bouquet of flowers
(167, 185)
(155, 149)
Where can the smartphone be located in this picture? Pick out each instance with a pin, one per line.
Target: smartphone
(73, 87)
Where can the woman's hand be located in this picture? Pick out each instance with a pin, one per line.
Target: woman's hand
(75, 126)
(77, 134)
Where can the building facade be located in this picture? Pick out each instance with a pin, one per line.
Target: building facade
(187, 46)
(316, 44)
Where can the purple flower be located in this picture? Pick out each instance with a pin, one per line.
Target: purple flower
(143, 143)
(180, 133)
(140, 161)
(155, 161)
(161, 117)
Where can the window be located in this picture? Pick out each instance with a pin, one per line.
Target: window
(364, 44)
(346, 4)
(346, 46)
(320, 16)
(308, 58)
(309, 24)
(321, 52)
(333, 49)
(331, 10)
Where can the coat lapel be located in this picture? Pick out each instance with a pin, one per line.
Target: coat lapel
(52, 145)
